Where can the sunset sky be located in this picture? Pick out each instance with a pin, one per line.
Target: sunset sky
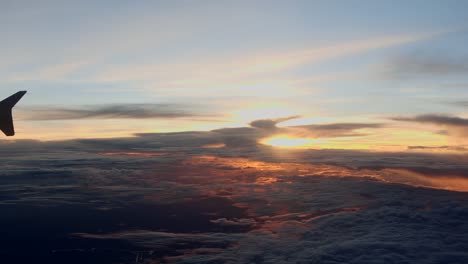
(216, 131)
(114, 68)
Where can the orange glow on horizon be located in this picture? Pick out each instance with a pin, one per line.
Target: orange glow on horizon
(286, 141)
(244, 170)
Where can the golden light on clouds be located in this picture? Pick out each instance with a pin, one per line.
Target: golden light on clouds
(293, 142)
(243, 170)
(286, 141)
(386, 139)
(447, 182)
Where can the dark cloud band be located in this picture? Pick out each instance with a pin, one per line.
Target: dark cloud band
(437, 119)
(112, 111)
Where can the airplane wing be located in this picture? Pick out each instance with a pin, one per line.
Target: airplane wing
(6, 118)
(6, 123)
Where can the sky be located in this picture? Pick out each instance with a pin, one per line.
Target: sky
(116, 68)
(235, 132)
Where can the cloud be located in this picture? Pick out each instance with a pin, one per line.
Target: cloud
(317, 131)
(437, 119)
(286, 60)
(439, 172)
(111, 111)
(270, 123)
(398, 220)
(116, 155)
(109, 155)
(438, 148)
(234, 222)
(333, 130)
(247, 204)
(251, 74)
(413, 65)
(456, 126)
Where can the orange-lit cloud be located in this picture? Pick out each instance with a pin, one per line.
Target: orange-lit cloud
(252, 171)
(406, 176)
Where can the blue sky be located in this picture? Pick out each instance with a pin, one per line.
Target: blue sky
(235, 61)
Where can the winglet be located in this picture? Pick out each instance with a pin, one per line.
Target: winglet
(6, 118)
(12, 100)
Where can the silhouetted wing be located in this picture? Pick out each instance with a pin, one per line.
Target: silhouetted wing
(6, 118)
(6, 123)
(12, 100)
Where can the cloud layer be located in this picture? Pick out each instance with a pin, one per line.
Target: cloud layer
(456, 126)
(169, 197)
(113, 111)
(437, 119)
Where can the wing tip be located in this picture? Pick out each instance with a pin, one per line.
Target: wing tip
(6, 118)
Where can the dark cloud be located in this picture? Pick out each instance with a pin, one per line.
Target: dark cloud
(269, 127)
(112, 111)
(455, 126)
(437, 119)
(449, 148)
(270, 123)
(387, 223)
(335, 130)
(316, 131)
(411, 65)
(264, 123)
(234, 222)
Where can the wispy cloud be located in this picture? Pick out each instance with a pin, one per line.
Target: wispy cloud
(270, 123)
(437, 119)
(438, 148)
(314, 130)
(209, 72)
(416, 65)
(455, 126)
(113, 111)
(335, 130)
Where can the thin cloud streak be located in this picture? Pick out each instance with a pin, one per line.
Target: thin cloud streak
(268, 127)
(270, 123)
(112, 111)
(334, 130)
(250, 65)
(437, 119)
(438, 148)
(455, 126)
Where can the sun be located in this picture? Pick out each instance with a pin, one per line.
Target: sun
(287, 141)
